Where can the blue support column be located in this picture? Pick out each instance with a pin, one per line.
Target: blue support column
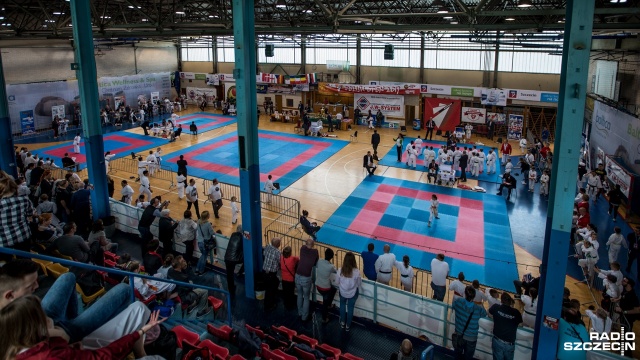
(7, 153)
(246, 104)
(91, 127)
(573, 82)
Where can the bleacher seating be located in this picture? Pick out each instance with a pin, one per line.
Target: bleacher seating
(185, 336)
(216, 351)
(223, 332)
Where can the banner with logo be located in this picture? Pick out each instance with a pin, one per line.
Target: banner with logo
(333, 88)
(390, 105)
(196, 95)
(57, 110)
(533, 95)
(444, 112)
(474, 115)
(213, 79)
(494, 97)
(230, 91)
(187, 75)
(515, 127)
(281, 89)
(617, 134)
(337, 65)
(26, 122)
(617, 175)
(498, 118)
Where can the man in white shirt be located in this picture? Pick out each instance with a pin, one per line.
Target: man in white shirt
(145, 185)
(126, 192)
(457, 286)
(192, 197)
(508, 166)
(384, 265)
(215, 195)
(339, 120)
(269, 187)
(439, 273)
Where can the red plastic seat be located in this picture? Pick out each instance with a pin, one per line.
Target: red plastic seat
(267, 354)
(329, 350)
(216, 351)
(109, 263)
(257, 331)
(348, 356)
(223, 332)
(108, 255)
(284, 355)
(304, 339)
(185, 335)
(215, 303)
(237, 357)
(142, 299)
(284, 331)
(303, 354)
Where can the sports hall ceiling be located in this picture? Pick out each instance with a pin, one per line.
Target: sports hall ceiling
(170, 19)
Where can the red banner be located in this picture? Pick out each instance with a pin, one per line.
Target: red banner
(444, 112)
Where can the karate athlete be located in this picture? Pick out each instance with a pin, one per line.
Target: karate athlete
(491, 162)
(76, 143)
(145, 185)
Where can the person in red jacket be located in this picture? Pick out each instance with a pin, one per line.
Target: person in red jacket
(505, 149)
(28, 335)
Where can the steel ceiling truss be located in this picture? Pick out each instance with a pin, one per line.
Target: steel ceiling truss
(174, 18)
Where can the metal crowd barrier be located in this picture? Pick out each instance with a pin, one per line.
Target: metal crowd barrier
(129, 165)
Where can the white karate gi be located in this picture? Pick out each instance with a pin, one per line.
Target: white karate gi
(180, 185)
(467, 130)
(76, 144)
(413, 156)
(127, 194)
(433, 210)
(475, 165)
(483, 159)
(544, 184)
(384, 267)
(491, 163)
(145, 186)
(406, 275)
(533, 175)
(151, 161)
(108, 158)
(142, 166)
(234, 212)
(268, 188)
(615, 242)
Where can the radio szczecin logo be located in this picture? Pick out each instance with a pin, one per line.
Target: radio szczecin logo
(616, 341)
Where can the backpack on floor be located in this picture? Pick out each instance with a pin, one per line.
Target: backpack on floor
(166, 307)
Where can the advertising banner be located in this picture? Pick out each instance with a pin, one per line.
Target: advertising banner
(262, 88)
(281, 89)
(530, 95)
(332, 88)
(494, 97)
(515, 127)
(617, 175)
(390, 105)
(230, 91)
(187, 76)
(196, 95)
(57, 110)
(474, 115)
(213, 79)
(27, 123)
(226, 77)
(337, 65)
(617, 134)
(444, 112)
(498, 118)
(155, 96)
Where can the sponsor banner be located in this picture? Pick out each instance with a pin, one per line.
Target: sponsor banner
(617, 134)
(262, 89)
(300, 87)
(444, 112)
(26, 122)
(532, 95)
(337, 65)
(549, 97)
(230, 91)
(155, 96)
(226, 77)
(474, 115)
(267, 78)
(458, 91)
(333, 88)
(187, 76)
(197, 95)
(201, 76)
(57, 110)
(281, 89)
(435, 89)
(494, 97)
(213, 79)
(515, 127)
(390, 105)
(617, 175)
(498, 118)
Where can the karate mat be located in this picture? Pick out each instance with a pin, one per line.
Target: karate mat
(287, 157)
(120, 143)
(204, 122)
(391, 159)
(473, 230)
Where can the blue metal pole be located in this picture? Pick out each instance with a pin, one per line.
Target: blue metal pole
(246, 104)
(91, 126)
(573, 83)
(133, 288)
(7, 152)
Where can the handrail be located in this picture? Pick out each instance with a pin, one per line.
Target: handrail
(70, 263)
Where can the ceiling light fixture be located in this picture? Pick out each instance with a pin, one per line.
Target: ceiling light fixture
(309, 11)
(509, 18)
(281, 4)
(443, 10)
(180, 10)
(448, 17)
(454, 22)
(525, 3)
(58, 13)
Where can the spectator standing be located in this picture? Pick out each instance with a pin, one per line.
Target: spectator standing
(349, 282)
(308, 258)
(628, 304)
(270, 266)
(468, 315)
(384, 265)
(530, 302)
(375, 141)
(166, 229)
(506, 320)
(232, 257)
(182, 165)
(369, 259)
(186, 234)
(406, 273)
(151, 259)
(204, 235)
(148, 216)
(288, 266)
(633, 240)
(615, 199)
(457, 286)
(325, 271)
(192, 197)
(215, 195)
(439, 274)
(81, 208)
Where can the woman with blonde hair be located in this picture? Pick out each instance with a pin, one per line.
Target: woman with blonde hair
(46, 233)
(17, 212)
(27, 333)
(349, 281)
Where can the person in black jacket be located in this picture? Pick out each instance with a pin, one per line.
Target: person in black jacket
(367, 163)
(615, 198)
(166, 227)
(194, 298)
(509, 182)
(233, 257)
(375, 140)
(148, 216)
(633, 239)
(152, 260)
(464, 160)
